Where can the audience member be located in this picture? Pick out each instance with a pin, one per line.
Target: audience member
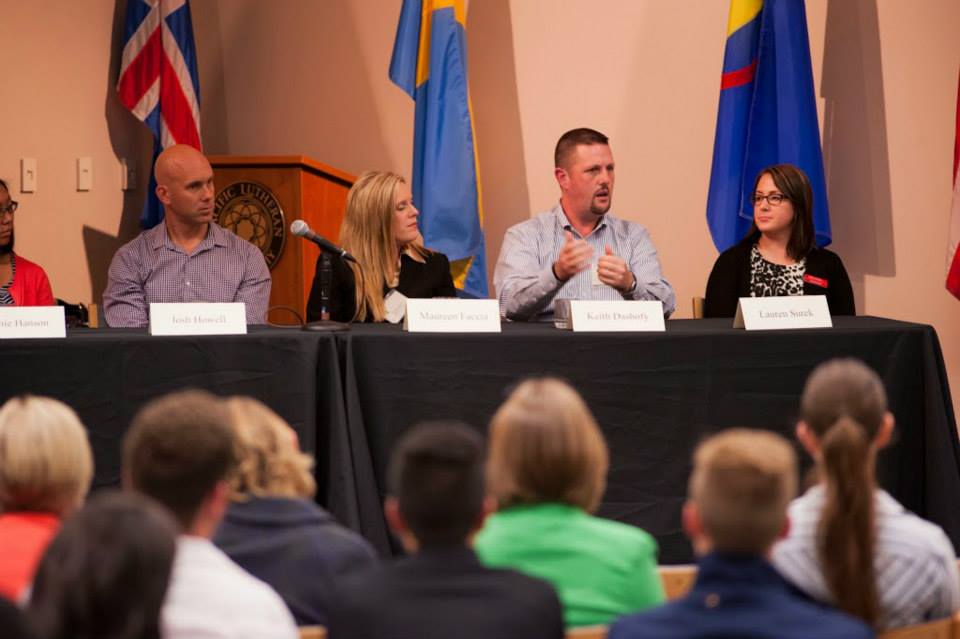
(741, 484)
(547, 468)
(441, 590)
(180, 450)
(22, 282)
(106, 572)
(851, 544)
(46, 466)
(273, 529)
(188, 257)
(380, 231)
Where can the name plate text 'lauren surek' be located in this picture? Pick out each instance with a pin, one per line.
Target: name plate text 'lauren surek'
(772, 313)
(616, 315)
(452, 316)
(24, 322)
(206, 318)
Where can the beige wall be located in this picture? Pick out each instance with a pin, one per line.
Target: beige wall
(299, 76)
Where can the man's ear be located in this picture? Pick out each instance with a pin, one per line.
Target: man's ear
(163, 193)
(692, 524)
(563, 178)
(391, 511)
(808, 438)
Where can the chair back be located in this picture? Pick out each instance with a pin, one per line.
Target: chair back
(587, 632)
(948, 628)
(312, 632)
(697, 307)
(677, 580)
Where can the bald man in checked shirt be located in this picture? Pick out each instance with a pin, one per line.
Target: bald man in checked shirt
(187, 258)
(578, 250)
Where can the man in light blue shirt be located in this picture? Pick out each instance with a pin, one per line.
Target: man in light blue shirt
(578, 250)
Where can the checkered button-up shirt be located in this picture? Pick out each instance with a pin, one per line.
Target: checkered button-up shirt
(527, 287)
(151, 268)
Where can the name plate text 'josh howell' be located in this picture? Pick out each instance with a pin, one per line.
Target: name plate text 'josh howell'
(452, 316)
(772, 313)
(21, 322)
(207, 318)
(616, 315)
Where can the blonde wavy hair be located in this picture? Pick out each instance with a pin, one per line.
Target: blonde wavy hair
(270, 462)
(545, 446)
(367, 232)
(46, 464)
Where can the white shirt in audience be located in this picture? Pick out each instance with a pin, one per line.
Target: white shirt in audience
(210, 597)
(914, 561)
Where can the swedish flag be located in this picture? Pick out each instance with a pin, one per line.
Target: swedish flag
(430, 64)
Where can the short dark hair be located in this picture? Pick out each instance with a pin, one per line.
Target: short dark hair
(795, 186)
(3, 185)
(106, 572)
(574, 138)
(436, 475)
(178, 449)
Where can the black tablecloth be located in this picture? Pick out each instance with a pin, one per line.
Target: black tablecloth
(106, 375)
(655, 396)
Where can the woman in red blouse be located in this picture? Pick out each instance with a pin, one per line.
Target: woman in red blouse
(22, 282)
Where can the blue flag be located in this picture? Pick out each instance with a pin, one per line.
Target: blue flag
(430, 64)
(767, 115)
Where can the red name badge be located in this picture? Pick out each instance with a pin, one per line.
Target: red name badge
(816, 281)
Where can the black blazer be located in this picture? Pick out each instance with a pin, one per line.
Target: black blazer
(430, 278)
(730, 280)
(444, 593)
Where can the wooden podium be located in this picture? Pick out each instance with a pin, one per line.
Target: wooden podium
(259, 196)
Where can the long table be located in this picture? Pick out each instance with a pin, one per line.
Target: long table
(655, 395)
(350, 396)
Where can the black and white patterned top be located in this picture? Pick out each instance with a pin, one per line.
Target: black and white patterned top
(5, 298)
(774, 280)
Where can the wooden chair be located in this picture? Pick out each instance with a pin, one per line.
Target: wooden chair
(587, 632)
(677, 580)
(312, 632)
(697, 307)
(948, 628)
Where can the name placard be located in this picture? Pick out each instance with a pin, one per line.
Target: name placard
(206, 318)
(27, 322)
(772, 313)
(452, 316)
(616, 315)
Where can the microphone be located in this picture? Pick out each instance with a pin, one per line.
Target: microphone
(302, 229)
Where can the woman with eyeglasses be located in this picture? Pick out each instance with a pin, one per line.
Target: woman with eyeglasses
(22, 283)
(779, 256)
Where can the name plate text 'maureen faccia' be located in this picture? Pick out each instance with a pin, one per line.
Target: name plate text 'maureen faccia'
(25, 322)
(206, 318)
(452, 316)
(772, 313)
(616, 315)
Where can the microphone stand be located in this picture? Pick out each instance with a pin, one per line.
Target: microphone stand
(326, 281)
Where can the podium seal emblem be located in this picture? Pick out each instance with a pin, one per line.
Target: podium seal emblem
(250, 210)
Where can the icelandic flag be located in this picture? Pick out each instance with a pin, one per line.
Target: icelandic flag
(158, 81)
(430, 64)
(767, 115)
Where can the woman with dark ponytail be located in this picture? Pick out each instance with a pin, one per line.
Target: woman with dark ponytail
(850, 543)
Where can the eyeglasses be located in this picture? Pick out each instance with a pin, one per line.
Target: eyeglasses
(773, 199)
(9, 208)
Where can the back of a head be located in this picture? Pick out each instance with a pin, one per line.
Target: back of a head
(545, 446)
(741, 485)
(436, 476)
(574, 138)
(178, 449)
(106, 572)
(269, 462)
(45, 459)
(844, 405)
